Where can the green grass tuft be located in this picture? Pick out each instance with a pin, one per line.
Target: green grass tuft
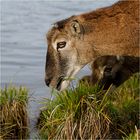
(13, 113)
(91, 113)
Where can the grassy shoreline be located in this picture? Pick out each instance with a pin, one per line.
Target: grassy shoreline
(83, 113)
(13, 113)
(91, 113)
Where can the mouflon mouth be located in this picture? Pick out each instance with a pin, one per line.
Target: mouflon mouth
(60, 80)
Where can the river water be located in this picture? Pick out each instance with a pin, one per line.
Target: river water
(23, 47)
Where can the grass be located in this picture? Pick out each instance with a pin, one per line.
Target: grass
(91, 113)
(133, 136)
(13, 113)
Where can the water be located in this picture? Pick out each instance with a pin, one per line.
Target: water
(24, 24)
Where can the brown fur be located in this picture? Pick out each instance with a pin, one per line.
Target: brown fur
(115, 29)
(108, 31)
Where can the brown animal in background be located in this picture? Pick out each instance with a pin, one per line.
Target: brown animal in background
(113, 70)
(79, 40)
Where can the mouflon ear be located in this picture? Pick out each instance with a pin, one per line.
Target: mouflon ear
(75, 27)
(61, 24)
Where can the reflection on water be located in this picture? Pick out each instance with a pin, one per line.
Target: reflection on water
(24, 24)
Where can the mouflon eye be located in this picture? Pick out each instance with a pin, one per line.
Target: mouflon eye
(61, 45)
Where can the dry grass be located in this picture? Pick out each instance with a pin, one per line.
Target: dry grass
(13, 113)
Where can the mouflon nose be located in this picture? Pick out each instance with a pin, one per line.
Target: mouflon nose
(48, 81)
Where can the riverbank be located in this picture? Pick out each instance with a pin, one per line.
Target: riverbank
(91, 113)
(82, 113)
